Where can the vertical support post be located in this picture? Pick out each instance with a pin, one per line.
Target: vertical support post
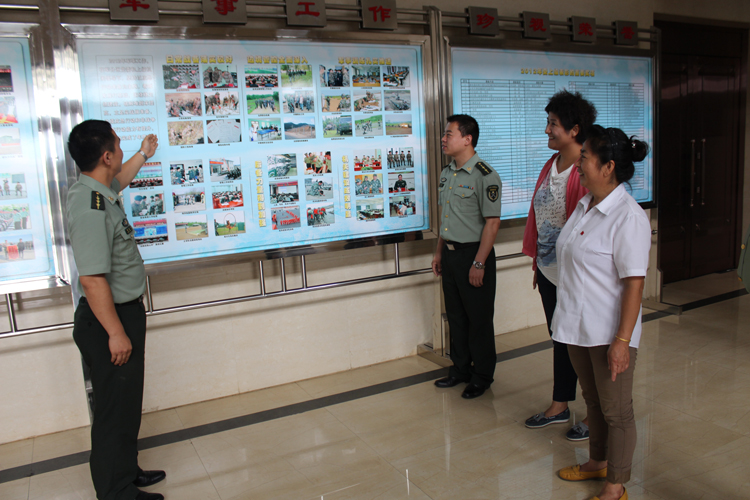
(283, 275)
(262, 278)
(304, 271)
(11, 312)
(396, 258)
(148, 294)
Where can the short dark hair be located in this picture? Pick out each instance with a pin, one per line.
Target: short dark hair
(467, 126)
(573, 109)
(88, 141)
(610, 144)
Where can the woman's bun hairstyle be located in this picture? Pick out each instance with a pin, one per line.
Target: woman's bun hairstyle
(610, 144)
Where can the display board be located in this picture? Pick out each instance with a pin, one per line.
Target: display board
(263, 145)
(507, 91)
(25, 238)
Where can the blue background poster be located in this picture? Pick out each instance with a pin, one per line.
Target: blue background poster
(507, 91)
(24, 215)
(263, 145)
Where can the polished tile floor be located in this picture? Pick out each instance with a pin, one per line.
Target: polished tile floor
(692, 405)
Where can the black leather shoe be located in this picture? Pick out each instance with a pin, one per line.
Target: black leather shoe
(149, 477)
(473, 391)
(144, 495)
(448, 382)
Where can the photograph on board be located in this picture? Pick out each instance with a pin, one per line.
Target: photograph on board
(222, 103)
(299, 127)
(10, 141)
(398, 124)
(185, 171)
(190, 226)
(396, 76)
(320, 214)
(399, 182)
(400, 158)
(402, 206)
(227, 196)
(223, 131)
(370, 209)
(367, 159)
(150, 175)
(282, 165)
(183, 104)
(366, 100)
(12, 186)
(263, 103)
(337, 126)
(181, 76)
(16, 247)
(369, 126)
(318, 163)
(368, 184)
(261, 77)
(227, 223)
(366, 76)
(190, 199)
(333, 101)
(284, 192)
(150, 231)
(265, 130)
(319, 188)
(146, 204)
(185, 133)
(219, 76)
(299, 101)
(8, 109)
(225, 169)
(397, 100)
(14, 217)
(296, 75)
(285, 218)
(6, 78)
(334, 76)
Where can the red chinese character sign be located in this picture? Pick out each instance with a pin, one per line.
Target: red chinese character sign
(379, 14)
(536, 25)
(133, 10)
(584, 29)
(483, 21)
(306, 13)
(627, 32)
(224, 11)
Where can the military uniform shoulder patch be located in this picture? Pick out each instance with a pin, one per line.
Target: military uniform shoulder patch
(484, 168)
(493, 193)
(97, 200)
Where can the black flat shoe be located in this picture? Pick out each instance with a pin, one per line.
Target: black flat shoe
(448, 382)
(144, 495)
(149, 477)
(473, 391)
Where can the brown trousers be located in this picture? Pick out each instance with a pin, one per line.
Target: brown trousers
(610, 409)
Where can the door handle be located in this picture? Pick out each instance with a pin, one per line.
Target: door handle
(703, 172)
(692, 172)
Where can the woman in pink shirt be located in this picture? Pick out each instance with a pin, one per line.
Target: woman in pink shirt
(569, 116)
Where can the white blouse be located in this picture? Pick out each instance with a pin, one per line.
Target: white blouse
(595, 251)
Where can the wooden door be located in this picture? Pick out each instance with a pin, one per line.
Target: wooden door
(701, 149)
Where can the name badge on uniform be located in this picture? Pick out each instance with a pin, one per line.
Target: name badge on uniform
(493, 193)
(442, 182)
(127, 226)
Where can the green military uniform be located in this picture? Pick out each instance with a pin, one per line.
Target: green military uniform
(468, 195)
(375, 186)
(103, 243)
(400, 184)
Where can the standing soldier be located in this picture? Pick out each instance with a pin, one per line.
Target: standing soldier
(408, 159)
(465, 257)
(110, 320)
(403, 159)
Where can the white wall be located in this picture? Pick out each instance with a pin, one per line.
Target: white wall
(216, 352)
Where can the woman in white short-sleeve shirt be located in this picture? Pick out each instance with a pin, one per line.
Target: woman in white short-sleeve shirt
(602, 255)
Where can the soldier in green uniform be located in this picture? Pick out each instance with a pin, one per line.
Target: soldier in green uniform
(110, 320)
(400, 183)
(375, 185)
(465, 257)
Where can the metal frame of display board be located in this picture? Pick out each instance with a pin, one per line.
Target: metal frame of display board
(45, 104)
(111, 32)
(444, 69)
